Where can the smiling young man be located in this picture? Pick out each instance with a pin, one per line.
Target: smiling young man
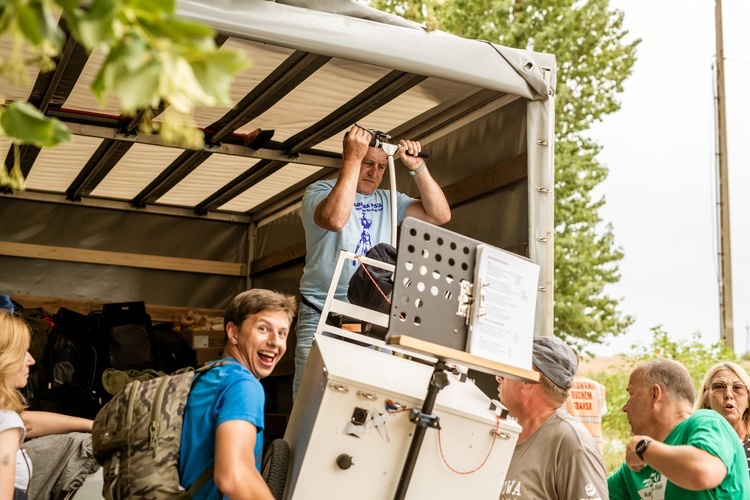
(351, 213)
(223, 421)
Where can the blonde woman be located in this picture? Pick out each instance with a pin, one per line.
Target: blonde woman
(725, 390)
(15, 466)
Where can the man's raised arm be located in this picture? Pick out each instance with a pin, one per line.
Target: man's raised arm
(432, 206)
(332, 213)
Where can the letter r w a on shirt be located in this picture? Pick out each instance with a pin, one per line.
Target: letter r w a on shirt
(511, 488)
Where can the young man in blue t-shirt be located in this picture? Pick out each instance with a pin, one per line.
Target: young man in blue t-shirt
(223, 421)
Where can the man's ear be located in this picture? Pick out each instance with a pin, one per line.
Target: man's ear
(657, 393)
(232, 333)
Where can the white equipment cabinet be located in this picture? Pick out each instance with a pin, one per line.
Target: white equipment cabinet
(332, 457)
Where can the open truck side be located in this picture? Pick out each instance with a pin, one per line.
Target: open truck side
(116, 216)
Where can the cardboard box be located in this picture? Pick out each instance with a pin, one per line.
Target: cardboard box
(206, 354)
(200, 339)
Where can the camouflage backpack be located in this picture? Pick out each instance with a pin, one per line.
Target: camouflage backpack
(136, 439)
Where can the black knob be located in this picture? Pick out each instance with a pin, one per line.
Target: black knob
(344, 461)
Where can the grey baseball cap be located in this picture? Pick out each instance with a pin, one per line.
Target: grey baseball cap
(555, 359)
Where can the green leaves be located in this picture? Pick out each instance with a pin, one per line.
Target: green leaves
(586, 256)
(29, 21)
(157, 56)
(94, 27)
(131, 71)
(157, 7)
(14, 179)
(215, 72)
(185, 36)
(27, 125)
(32, 21)
(67, 5)
(153, 58)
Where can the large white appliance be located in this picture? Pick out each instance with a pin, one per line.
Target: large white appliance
(350, 430)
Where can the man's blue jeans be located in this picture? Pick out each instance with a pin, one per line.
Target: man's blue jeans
(307, 322)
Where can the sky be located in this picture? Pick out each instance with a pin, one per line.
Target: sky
(660, 195)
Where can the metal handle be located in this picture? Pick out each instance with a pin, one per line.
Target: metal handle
(501, 435)
(366, 395)
(338, 387)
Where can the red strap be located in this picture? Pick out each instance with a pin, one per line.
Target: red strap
(356, 256)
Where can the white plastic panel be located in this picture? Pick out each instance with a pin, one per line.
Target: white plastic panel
(55, 169)
(342, 379)
(206, 179)
(263, 60)
(137, 168)
(82, 99)
(324, 91)
(269, 187)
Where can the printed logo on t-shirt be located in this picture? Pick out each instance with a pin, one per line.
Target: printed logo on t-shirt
(365, 239)
(653, 487)
(511, 489)
(590, 490)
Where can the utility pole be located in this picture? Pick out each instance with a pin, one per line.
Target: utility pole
(725, 256)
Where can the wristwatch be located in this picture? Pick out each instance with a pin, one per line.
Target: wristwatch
(418, 169)
(640, 448)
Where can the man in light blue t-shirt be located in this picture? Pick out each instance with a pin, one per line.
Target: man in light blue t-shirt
(352, 214)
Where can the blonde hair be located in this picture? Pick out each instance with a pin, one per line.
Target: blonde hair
(551, 390)
(15, 338)
(702, 401)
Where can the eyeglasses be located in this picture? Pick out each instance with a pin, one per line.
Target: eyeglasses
(721, 388)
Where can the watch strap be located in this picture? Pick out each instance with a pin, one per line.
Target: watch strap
(419, 169)
(641, 447)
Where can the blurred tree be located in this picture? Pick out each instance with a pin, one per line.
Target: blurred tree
(152, 59)
(594, 59)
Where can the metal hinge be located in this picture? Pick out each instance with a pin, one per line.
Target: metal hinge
(465, 300)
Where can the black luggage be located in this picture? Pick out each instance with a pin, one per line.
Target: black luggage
(70, 367)
(124, 340)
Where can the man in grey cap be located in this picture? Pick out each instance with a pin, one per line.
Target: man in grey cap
(555, 456)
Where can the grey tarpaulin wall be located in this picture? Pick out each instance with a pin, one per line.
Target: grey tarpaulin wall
(92, 228)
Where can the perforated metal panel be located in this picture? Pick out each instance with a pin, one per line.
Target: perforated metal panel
(432, 263)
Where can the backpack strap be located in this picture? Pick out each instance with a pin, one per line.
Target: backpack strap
(209, 472)
(202, 479)
(213, 364)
